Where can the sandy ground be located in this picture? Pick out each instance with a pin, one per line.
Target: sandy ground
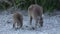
(51, 25)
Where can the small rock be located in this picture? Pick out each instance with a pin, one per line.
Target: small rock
(33, 28)
(8, 22)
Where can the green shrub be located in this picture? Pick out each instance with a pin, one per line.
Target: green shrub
(48, 5)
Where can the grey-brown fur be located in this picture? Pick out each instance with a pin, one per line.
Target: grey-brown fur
(18, 19)
(35, 12)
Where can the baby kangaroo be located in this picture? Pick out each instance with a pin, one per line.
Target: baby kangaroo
(18, 20)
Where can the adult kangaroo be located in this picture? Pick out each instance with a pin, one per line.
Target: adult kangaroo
(35, 12)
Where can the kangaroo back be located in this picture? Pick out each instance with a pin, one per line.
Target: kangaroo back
(36, 10)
